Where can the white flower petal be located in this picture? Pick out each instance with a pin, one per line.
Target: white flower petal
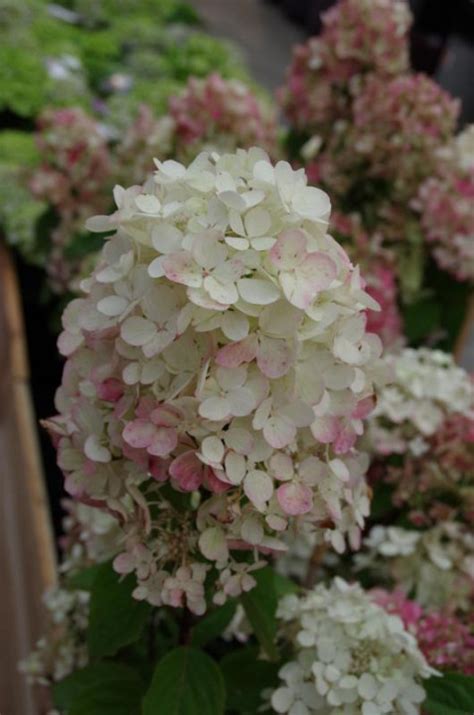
(257, 222)
(213, 545)
(112, 305)
(136, 330)
(258, 487)
(258, 291)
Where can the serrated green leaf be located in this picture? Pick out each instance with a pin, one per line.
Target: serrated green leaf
(116, 619)
(100, 689)
(260, 605)
(186, 682)
(245, 677)
(213, 624)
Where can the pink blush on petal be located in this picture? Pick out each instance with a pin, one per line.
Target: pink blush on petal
(163, 443)
(187, 471)
(139, 433)
(295, 498)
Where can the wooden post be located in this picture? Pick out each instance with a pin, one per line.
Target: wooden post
(27, 553)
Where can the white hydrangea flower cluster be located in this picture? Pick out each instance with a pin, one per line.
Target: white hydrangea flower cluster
(352, 657)
(91, 536)
(426, 386)
(436, 565)
(63, 649)
(219, 356)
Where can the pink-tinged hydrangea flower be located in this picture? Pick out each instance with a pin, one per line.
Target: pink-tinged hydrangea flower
(397, 128)
(209, 400)
(349, 656)
(358, 37)
(445, 205)
(387, 145)
(438, 483)
(73, 177)
(379, 270)
(446, 641)
(382, 286)
(220, 114)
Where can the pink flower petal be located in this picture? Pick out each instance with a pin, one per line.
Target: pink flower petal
(180, 267)
(110, 390)
(158, 468)
(363, 408)
(164, 441)
(124, 563)
(315, 274)
(213, 483)
(289, 250)
(345, 439)
(166, 416)
(139, 433)
(273, 357)
(295, 498)
(235, 354)
(187, 471)
(325, 429)
(279, 432)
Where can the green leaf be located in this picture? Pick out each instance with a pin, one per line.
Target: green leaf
(84, 580)
(116, 619)
(83, 244)
(185, 682)
(100, 689)
(212, 625)
(453, 694)
(245, 677)
(421, 318)
(382, 503)
(260, 606)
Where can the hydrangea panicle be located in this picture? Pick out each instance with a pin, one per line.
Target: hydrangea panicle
(351, 656)
(218, 375)
(425, 389)
(444, 202)
(358, 37)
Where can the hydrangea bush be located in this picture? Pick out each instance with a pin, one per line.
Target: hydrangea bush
(378, 138)
(228, 431)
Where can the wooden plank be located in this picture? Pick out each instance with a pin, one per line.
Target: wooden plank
(27, 554)
(466, 336)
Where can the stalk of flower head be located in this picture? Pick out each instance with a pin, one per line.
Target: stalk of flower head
(218, 374)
